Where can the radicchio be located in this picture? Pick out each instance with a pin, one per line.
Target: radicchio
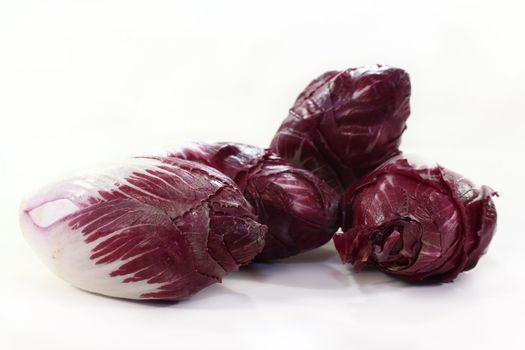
(299, 209)
(346, 123)
(147, 229)
(416, 222)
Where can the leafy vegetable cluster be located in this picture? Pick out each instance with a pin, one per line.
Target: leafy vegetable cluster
(165, 227)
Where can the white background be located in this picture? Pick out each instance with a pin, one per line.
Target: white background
(84, 82)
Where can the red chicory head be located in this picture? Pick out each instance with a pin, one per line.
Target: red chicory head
(299, 209)
(346, 123)
(416, 222)
(145, 229)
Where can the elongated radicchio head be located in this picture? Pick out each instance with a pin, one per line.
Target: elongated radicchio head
(346, 123)
(299, 209)
(147, 229)
(416, 222)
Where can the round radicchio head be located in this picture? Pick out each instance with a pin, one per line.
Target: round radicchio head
(299, 209)
(416, 222)
(146, 229)
(346, 123)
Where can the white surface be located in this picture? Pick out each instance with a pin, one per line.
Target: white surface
(84, 82)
